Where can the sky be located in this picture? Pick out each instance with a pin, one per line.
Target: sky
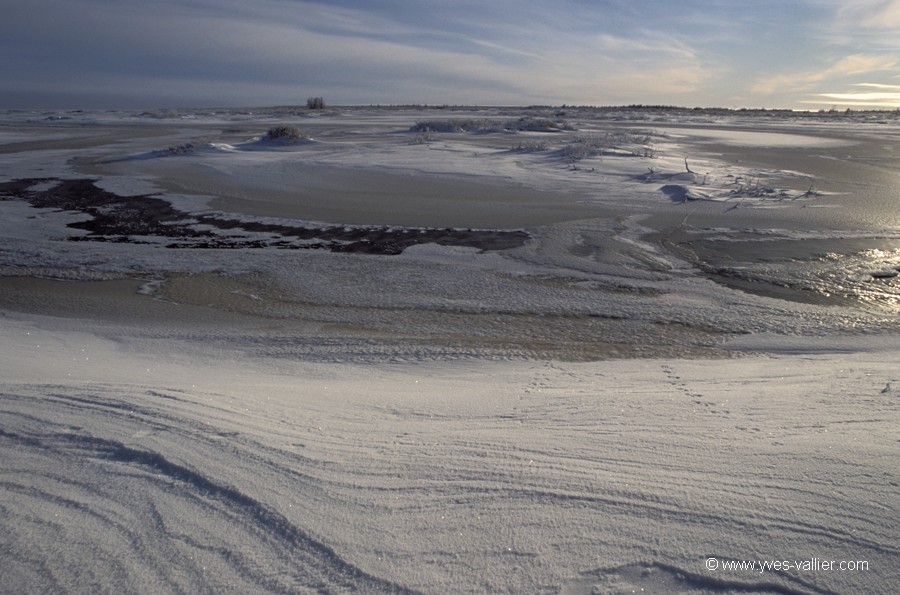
(794, 54)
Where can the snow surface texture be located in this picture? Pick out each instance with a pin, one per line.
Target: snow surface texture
(133, 469)
(449, 419)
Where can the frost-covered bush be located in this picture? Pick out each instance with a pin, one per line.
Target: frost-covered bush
(532, 124)
(424, 137)
(284, 134)
(181, 149)
(621, 142)
(487, 125)
(583, 146)
(459, 125)
(187, 147)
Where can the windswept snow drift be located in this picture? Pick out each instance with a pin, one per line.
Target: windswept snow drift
(130, 468)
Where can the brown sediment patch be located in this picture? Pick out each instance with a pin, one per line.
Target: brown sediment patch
(126, 301)
(566, 336)
(253, 309)
(116, 299)
(126, 218)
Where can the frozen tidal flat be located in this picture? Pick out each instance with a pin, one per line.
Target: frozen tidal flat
(575, 353)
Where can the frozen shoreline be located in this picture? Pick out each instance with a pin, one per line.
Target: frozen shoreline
(638, 233)
(584, 412)
(596, 213)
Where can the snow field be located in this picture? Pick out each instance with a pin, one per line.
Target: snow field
(248, 474)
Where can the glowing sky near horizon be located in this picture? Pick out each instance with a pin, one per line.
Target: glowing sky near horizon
(803, 54)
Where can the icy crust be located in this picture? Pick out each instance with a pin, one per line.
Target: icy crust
(590, 283)
(594, 155)
(594, 282)
(42, 164)
(599, 268)
(201, 147)
(605, 164)
(756, 138)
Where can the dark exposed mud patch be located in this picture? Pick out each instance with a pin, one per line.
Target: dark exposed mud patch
(126, 219)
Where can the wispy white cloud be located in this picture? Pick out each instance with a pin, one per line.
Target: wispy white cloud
(874, 97)
(507, 51)
(535, 52)
(849, 100)
(857, 64)
(861, 64)
(873, 14)
(656, 44)
(878, 85)
(887, 97)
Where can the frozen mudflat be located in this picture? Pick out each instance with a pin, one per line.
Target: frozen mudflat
(449, 351)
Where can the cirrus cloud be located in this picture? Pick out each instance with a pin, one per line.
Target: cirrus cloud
(874, 14)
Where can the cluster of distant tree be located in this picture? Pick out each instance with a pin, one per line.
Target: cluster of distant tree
(638, 107)
(318, 103)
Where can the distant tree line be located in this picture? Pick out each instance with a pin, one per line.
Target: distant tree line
(315, 103)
